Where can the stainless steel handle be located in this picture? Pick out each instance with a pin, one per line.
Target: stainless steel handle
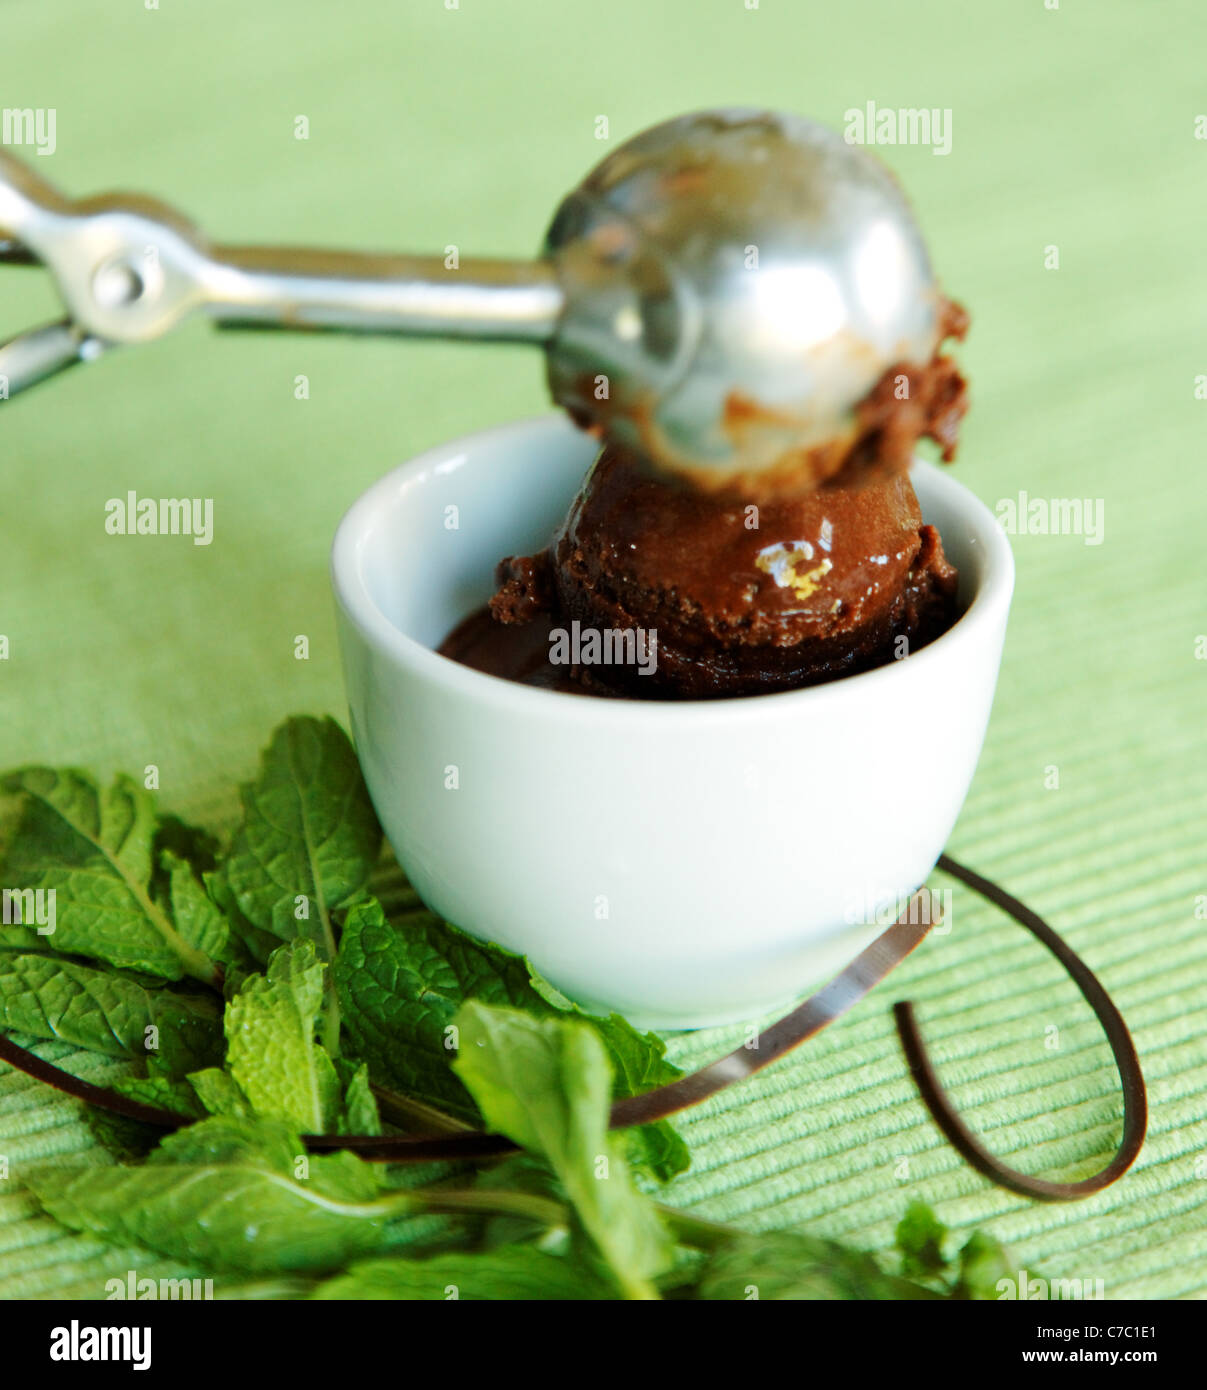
(42, 353)
(287, 287)
(130, 268)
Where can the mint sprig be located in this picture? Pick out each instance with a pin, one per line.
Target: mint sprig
(261, 991)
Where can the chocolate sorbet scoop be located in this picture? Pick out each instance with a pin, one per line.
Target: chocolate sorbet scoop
(746, 599)
(743, 594)
(741, 600)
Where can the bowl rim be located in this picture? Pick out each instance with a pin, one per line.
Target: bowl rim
(988, 607)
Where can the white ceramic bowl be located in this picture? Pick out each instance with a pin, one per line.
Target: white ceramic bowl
(686, 863)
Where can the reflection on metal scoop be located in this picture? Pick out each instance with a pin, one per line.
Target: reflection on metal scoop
(735, 282)
(718, 293)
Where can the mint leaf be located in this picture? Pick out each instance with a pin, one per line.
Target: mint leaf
(272, 1055)
(107, 1012)
(401, 982)
(983, 1262)
(309, 837)
(230, 1194)
(400, 989)
(176, 1096)
(546, 1084)
(920, 1237)
(188, 842)
(359, 1114)
(787, 1265)
(256, 945)
(219, 1093)
(511, 1272)
(199, 920)
(638, 1065)
(94, 849)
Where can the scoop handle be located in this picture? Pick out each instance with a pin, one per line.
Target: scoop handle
(41, 353)
(420, 296)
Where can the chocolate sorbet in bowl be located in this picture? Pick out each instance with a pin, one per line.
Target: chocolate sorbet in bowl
(656, 588)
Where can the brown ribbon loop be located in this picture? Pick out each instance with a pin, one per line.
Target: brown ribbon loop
(1135, 1103)
(845, 990)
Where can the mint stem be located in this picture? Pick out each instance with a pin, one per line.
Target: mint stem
(695, 1230)
(543, 1210)
(329, 1026)
(416, 1116)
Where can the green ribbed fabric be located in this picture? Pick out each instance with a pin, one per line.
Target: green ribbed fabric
(1072, 128)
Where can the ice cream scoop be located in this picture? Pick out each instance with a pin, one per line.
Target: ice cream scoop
(736, 282)
(718, 293)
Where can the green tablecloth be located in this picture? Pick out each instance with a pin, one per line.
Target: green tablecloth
(1072, 127)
